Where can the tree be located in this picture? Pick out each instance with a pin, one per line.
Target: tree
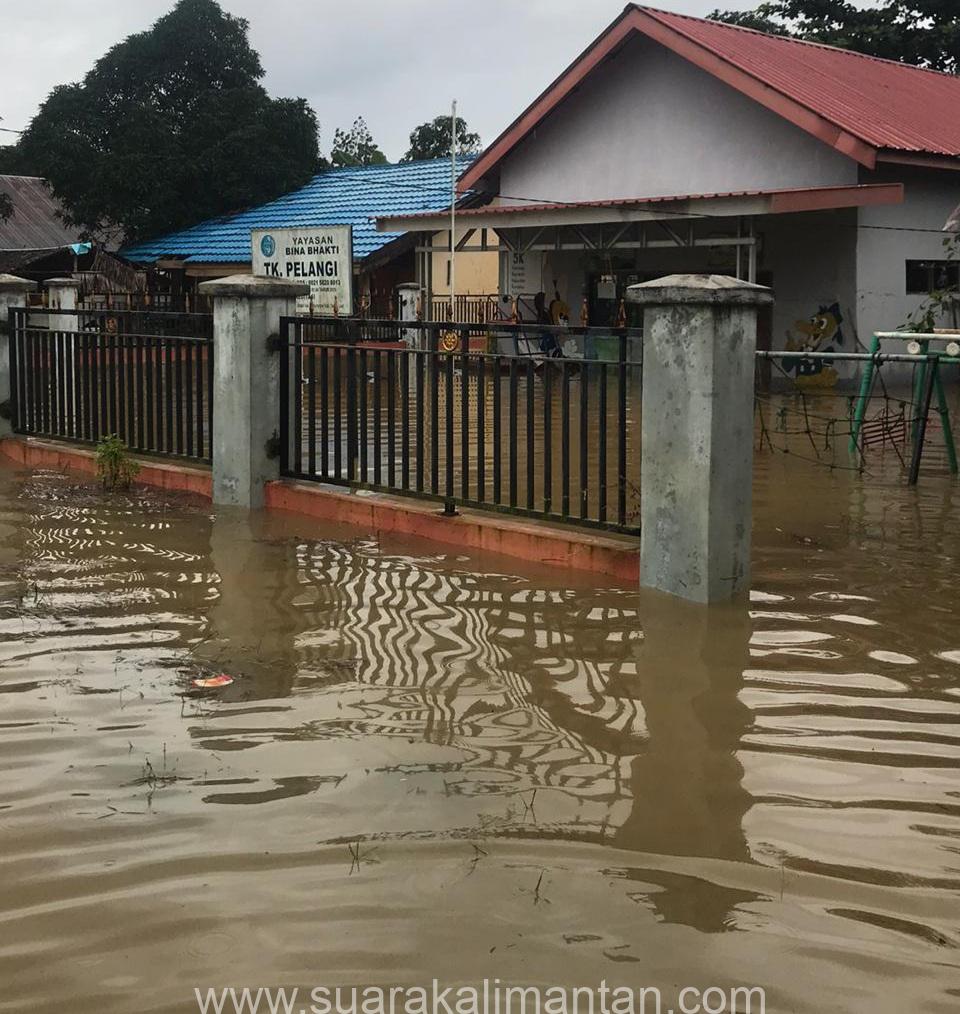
(921, 32)
(432, 140)
(355, 146)
(170, 127)
(10, 160)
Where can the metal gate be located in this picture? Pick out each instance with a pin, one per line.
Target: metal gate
(536, 421)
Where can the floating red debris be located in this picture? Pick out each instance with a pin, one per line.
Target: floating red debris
(207, 682)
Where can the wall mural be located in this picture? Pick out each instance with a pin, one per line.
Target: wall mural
(819, 333)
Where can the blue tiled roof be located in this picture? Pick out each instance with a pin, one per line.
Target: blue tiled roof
(335, 197)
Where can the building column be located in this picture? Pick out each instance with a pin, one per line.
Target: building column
(246, 383)
(13, 292)
(62, 295)
(699, 336)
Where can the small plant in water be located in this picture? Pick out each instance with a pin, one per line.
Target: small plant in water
(115, 467)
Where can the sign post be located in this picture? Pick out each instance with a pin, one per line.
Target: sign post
(320, 255)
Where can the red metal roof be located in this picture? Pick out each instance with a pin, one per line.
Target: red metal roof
(887, 104)
(859, 104)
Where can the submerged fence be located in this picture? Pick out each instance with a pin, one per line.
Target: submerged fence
(145, 376)
(529, 420)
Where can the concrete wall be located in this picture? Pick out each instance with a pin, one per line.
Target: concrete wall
(477, 273)
(648, 123)
(810, 260)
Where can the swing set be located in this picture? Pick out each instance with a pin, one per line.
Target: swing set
(927, 380)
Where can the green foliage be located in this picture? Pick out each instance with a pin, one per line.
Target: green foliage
(8, 167)
(115, 467)
(752, 19)
(921, 32)
(432, 140)
(170, 127)
(11, 161)
(355, 146)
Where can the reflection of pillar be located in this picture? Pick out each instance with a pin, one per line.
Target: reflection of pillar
(254, 622)
(688, 799)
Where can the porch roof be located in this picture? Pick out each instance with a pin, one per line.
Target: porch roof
(646, 209)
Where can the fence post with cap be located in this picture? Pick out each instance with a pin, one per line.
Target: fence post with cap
(13, 293)
(62, 294)
(700, 336)
(246, 383)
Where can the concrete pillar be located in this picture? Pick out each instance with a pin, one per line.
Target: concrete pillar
(699, 336)
(246, 381)
(13, 292)
(408, 301)
(62, 295)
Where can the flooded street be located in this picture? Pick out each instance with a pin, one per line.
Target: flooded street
(434, 764)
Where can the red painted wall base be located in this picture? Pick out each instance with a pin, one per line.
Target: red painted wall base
(616, 556)
(48, 454)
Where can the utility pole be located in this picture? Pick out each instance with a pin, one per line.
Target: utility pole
(453, 209)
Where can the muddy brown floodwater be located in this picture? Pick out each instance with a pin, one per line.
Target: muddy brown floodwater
(433, 764)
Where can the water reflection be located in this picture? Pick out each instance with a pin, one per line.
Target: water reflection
(686, 786)
(789, 770)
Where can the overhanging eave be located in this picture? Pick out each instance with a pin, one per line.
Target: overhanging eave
(654, 209)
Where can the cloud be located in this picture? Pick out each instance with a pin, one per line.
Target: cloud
(396, 64)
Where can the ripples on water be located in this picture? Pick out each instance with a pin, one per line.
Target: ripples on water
(759, 795)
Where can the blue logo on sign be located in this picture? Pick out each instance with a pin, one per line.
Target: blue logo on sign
(267, 246)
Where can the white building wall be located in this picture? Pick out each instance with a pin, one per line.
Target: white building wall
(649, 124)
(890, 236)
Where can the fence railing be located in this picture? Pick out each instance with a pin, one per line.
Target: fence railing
(534, 421)
(154, 302)
(146, 377)
(468, 308)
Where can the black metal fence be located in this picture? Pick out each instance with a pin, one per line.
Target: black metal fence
(145, 376)
(149, 302)
(531, 420)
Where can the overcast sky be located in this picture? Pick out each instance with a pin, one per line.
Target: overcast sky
(395, 62)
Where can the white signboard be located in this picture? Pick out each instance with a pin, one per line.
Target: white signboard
(320, 255)
(523, 274)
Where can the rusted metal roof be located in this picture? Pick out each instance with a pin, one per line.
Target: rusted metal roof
(865, 107)
(772, 202)
(820, 197)
(35, 223)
